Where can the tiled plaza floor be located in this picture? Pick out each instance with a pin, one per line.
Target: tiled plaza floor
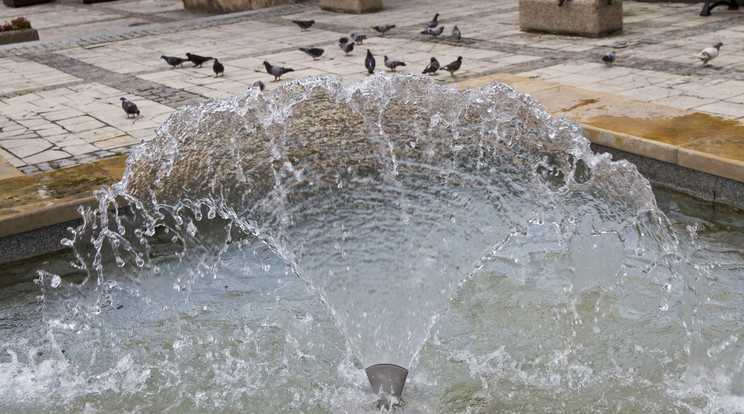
(59, 97)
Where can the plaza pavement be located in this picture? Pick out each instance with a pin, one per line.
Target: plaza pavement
(60, 107)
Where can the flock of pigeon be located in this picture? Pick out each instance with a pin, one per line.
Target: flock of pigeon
(347, 46)
(432, 28)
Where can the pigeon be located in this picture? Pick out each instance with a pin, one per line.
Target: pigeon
(432, 67)
(218, 68)
(198, 60)
(383, 28)
(276, 71)
(369, 62)
(314, 52)
(453, 67)
(392, 63)
(433, 32)
(129, 107)
(434, 22)
(346, 47)
(609, 58)
(304, 24)
(709, 53)
(343, 39)
(258, 84)
(456, 34)
(173, 61)
(358, 38)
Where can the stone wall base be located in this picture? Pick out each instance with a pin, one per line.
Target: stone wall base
(232, 6)
(591, 18)
(17, 36)
(351, 6)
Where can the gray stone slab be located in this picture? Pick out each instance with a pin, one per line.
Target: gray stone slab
(592, 18)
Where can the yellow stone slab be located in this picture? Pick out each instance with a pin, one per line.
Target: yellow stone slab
(32, 202)
(690, 139)
(7, 170)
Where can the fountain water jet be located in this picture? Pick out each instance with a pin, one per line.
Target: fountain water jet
(386, 198)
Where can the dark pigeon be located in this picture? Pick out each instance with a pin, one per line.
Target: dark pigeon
(432, 67)
(456, 34)
(173, 61)
(129, 107)
(304, 24)
(258, 84)
(198, 60)
(313, 52)
(346, 47)
(453, 66)
(369, 62)
(358, 38)
(433, 32)
(276, 71)
(218, 68)
(434, 22)
(609, 58)
(392, 63)
(343, 39)
(383, 28)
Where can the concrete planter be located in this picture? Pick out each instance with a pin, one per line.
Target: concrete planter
(22, 3)
(591, 18)
(351, 6)
(17, 36)
(232, 6)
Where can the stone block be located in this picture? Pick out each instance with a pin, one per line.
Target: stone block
(351, 6)
(23, 3)
(16, 36)
(591, 18)
(232, 6)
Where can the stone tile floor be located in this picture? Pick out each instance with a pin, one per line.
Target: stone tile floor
(59, 97)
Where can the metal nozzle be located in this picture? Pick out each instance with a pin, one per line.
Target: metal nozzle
(387, 379)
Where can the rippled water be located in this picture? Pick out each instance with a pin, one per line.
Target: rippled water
(278, 245)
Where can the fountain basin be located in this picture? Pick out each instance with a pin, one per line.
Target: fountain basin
(276, 246)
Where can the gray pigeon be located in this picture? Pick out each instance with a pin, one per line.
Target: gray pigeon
(609, 58)
(456, 34)
(304, 24)
(358, 38)
(218, 68)
(198, 60)
(432, 67)
(434, 22)
(453, 66)
(369, 62)
(346, 47)
(434, 32)
(392, 63)
(276, 71)
(383, 28)
(129, 107)
(173, 60)
(314, 52)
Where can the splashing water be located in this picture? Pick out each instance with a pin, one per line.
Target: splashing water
(466, 234)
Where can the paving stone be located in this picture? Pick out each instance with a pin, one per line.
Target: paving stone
(74, 83)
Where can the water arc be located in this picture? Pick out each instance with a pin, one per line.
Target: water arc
(391, 191)
(386, 197)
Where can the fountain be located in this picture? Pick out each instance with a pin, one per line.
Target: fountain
(279, 247)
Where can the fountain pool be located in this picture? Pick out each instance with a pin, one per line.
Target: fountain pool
(277, 246)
